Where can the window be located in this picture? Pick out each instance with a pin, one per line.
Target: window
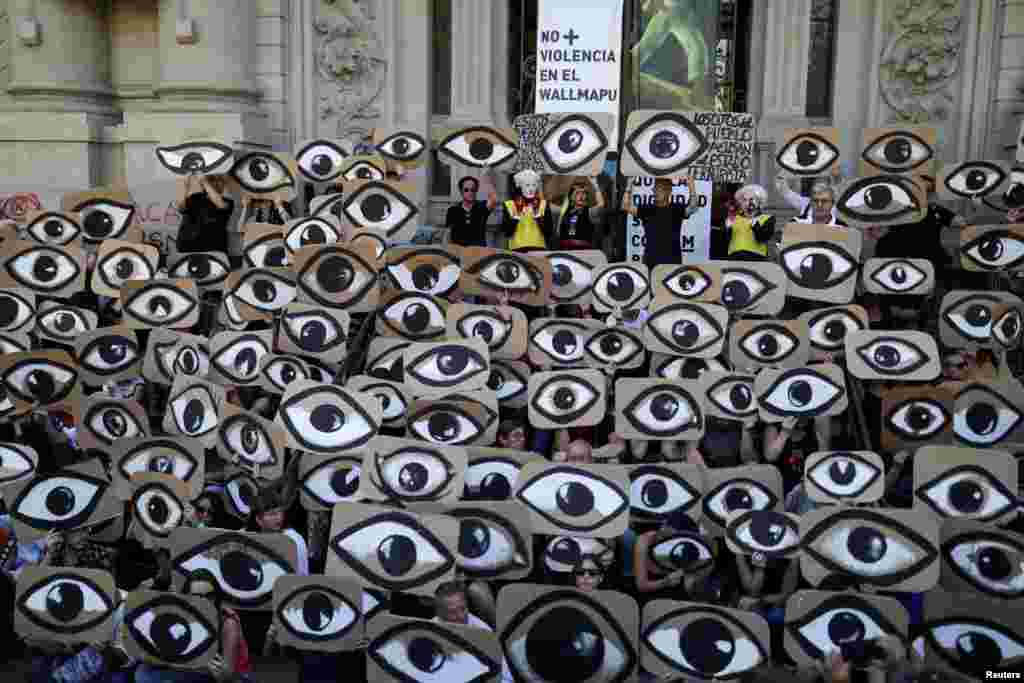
(442, 57)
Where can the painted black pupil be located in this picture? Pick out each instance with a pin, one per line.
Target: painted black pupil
(685, 333)
(426, 655)
(768, 345)
(115, 423)
(708, 645)
(99, 224)
(327, 418)
(376, 207)
(570, 141)
(878, 197)
(991, 248)
(564, 342)
(740, 396)
(334, 274)
(574, 499)
(845, 628)
(322, 164)
(113, 352)
(45, 268)
(738, 499)
(400, 147)
(250, 438)
(193, 415)
(835, 330)
(159, 306)
(161, 464)
(966, 496)
(484, 330)
(344, 481)
(495, 487)
(684, 554)
(276, 256)
(565, 644)
(507, 271)
(171, 634)
(193, 161)
(317, 611)
(158, 511)
(264, 291)
(842, 472)
(65, 601)
(564, 399)
(397, 555)
(481, 149)
(975, 180)
(246, 362)
(124, 269)
(313, 335)
(8, 311)
(425, 277)
(735, 294)
(867, 545)
(452, 362)
(413, 477)
(664, 408)
(664, 145)
(562, 275)
(620, 287)
(416, 318)
(60, 501)
(495, 381)
(259, 169)
(41, 385)
(53, 228)
(654, 493)
(982, 418)
(64, 322)
(899, 275)
(443, 426)
(978, 315)
(474, 539)
(313, 234)
(611, 345)
(994, 564)
(887, 356)
(816, 268)
(806, 153)
(977, 653)
(240, 571)
(800, 393)
(919, 418)
(897, 151)
(199, 267)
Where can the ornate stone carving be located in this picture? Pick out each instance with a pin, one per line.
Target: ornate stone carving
(351, 70)
(921, 58)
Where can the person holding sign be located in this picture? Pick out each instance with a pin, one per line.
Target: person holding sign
(577, 223)
(467, 220)
(663, 222)
(751, 229)
(819, 208)
(528, 223)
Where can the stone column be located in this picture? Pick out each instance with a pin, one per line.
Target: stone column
(479, 61)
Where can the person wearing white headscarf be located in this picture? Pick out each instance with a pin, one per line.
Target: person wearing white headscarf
(528, 223)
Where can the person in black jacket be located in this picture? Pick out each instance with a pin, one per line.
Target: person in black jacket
(467, 220)
(205, 214)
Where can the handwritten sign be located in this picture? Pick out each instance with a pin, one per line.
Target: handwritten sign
(695, 235)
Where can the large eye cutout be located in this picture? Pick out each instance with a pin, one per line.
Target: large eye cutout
(386, 359)
(745, 289)
(321, 613)
(987, 559)
(963, 492)
(808, 154)
(104, 219)
(264, 247)
(357, 169)
(314, 332)
(245, 568)
(450, 423)
(478, 147)
(381, 207)
(895, 550)
(420, 650)
(64, 324)
(506, 272)
(675, 367)
(967, 318)
(555, 342)
(17, 463)
(333, 480)
(264, 289)
(772, 344)
(160, 303)
(982, 415)
(431, 367)
(917, 419)
(563, 553)
(158, 455)
(844, 476)
(415, 473)
(801, 392)
(699, 641)
(110, 420)
(119, 262)
(898, 276)
(491, 542)
(566, 398)
(164, 628)
(277, 372)
(106, 353)
(305, 232)
(194, 158)
(992, 249)
(248, 440)
(491, 478)
(657, 409)
(621, 287)
(573, 143)
(424, 270)
(321, 161)
(193, 408)
(975, 647)
(68, 602)
(208, 269)
(687, 329)
(483, 324)
(730, 396)
(240, 494)
(818, 265)
(158, 504)
(661, 145)
(545, 630)
(688, 283)
(337, 277)
(392, 550)
(616, 347)
(509, 382)
(572, 275)
(880, 200)
(62, 501)
(416, 317)
(657, 491)
(589, 501)
(681, 550)
(390, 395)
(972, 179)
(44, 269)
(324, 418)
(907, 356)
(828, 328)
(896, 151)
(51, 227)
(763, 531)
(840, 621)
(1008, 328)
(17, 309)
(735, 495)
(236, 356)
(39, 378)
(402, 146)
(261, 173)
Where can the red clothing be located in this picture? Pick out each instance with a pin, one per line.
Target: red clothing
(242, 663)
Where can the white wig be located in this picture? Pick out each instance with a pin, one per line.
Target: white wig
(527, 175)
(752, 191)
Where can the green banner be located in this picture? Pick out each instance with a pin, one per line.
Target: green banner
(674, 59)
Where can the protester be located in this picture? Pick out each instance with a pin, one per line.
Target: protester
(466, 220)
(663, 221)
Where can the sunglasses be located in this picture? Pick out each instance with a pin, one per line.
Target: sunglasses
(590, 572)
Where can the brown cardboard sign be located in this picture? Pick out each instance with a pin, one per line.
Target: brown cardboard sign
(659, 409)
(903, 356)
(730, 490)
(671, 643)
(433, 270)
(102, 421)
(235, 356)
(17, 463)
(338, 276)
(160, 303)
(807, 152)
(567, 398)
(621, 287)
(171, 353)
(525, 278)
(752, 288)
(412, 316)
(980, 558)
(891, 549)
(689, 282)
(504, 337)
(40, 379)
(181, 457)
(394, 403)
(411, 471)
(446, 366)
(325, 418)
(492, 473)
(84, 494)
(14, 342)
(462, 419)
(194, 409)
(401, 147)
(208, 269)
(251, 443)
(108, 354)
(150, 636)
(45, 269)
(318, 613)
(555, 342)
(62, 323)
(278, 371)
(260, 292)
(263, 246)
(686, 329)
(118, 262)
(495, 540)
(729, 396)
(467, 653)
(17, 310)
(327, 204)
(819, 622)
(327, 480)
(966, 317)
(756, 344)
(321, 160)
(564, 144)
(385, 207)
(898, 276)
(362, 239)
(106, 213)
(157, 506)
(65, 605)
(882, 200)
(965, 483)
(844, 477)
(615, 347)
(763, 532)
(657, 491)
(477, 146)
(358, 168)
(195, 157)
(391, 549)
(264, 175)
(53, 227)
(813, 391)
(1008, 327)
(913, 416)
(572, 274)
(231, 557)
(229, 314)
(580, 500)
(992, 247)
(972, 179)
(820, 261)
(899, 150)
(987, 413)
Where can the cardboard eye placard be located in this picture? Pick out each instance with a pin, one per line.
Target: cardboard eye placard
(106, 213)
(318, 613)
(412, 316)
(729, 396)
(427, 270)
(321, 160)
(64, 604)
(972, 179)
(208, 269)
(67, 499)
(388, 549)
(560, 342)
(62, 323)
(731, 490)
(492, 473)
(53, 227)
(752, 288)
(160, 303)
(818, 622)
(194, 409)
(195, 157)
(251, 443)
(965, 483)
(108, 354)
(505, 338)
(898, 276)
(314, 331)
(659, 409)
(264, 175)
(464, 419)
(401, 147)
(572, 274)
(700, 282)
(465, 653)
(820, 262)
(246, 564)
(102, 421)
(385, 359)
(118, 262)
(966, 317)
(672, 640)
(843, 477)
(526, 278)
(566, 398)
(564, 144)
(477, 146)
(702, 144)
(982, 559)
(992, 247)
(327, 205)
(277, 371)
(338, 276)
(620, 287)
(446, 366)
(678, 328)
(170, 353)
(615, 347)
(891, 549)
(326, 418)
(657, 491)
(40, 379)
(235, 357)
(17, 310)
(1008, 326)
(913, 416)
(361, 168)
(812, 391)
(258, 293)
(263, 246)
(181, 457)
(765, 532)
(385, 207)
(756, 344)
(157, 507)
(909, 150)
(904, 356)
(17, 463)
(152, 624)
(394, 401)
(578, 500)
(807, 152)
(882, 200)
(495, 540)
(411, 471)
(325, 481)
(47, 270)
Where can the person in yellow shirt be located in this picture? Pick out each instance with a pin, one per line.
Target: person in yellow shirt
(751, 229)
(528, 223)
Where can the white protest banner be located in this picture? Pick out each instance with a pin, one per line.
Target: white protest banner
(579, 58)
(695, 236)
